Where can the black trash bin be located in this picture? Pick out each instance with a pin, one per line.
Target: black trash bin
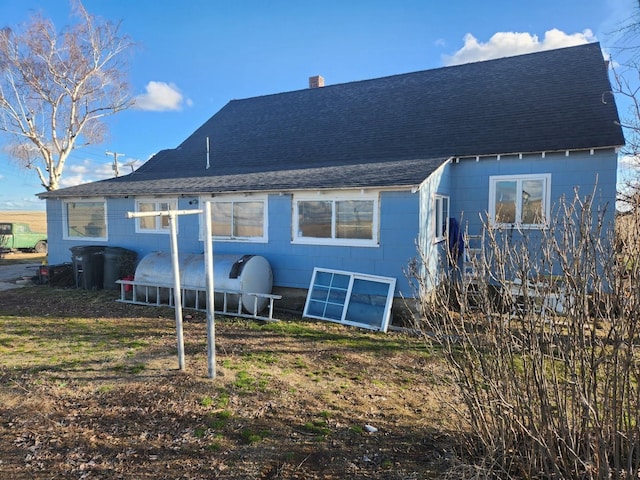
(118, 263)
(88, 266)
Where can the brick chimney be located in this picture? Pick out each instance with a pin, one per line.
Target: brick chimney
(316, 81)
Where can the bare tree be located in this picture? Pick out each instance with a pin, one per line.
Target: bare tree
(624, 85)
(625, 68)
(56, 88)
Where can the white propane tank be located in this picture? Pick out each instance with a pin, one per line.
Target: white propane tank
(239, 273)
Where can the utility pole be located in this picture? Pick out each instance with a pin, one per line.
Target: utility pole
(116, 168)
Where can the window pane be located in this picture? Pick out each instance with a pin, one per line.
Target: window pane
(314, 219)
(445, 215)
(147, 223)
(368, 302)
(339, 280)
(164, 220)
(221, 218)
(324, 279)
(532, 201)
(315, 308)
(248, 218)
(328, 295)
(505, 201)
(354, 219)
(86, 219)
(438, 208)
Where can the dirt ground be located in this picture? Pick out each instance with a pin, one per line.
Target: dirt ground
(90, 389)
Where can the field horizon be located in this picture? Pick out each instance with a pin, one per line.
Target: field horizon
(36, 219)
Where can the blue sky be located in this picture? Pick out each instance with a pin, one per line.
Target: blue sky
(192, 57)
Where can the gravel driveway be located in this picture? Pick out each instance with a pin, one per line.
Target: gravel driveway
(12, 276)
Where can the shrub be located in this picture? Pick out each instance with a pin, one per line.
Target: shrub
(550, 390)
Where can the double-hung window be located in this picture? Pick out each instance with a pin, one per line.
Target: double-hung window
(239, 218)
(521, 201)
(441, 217)
(85, 219)
(340, 219)
(155, 224)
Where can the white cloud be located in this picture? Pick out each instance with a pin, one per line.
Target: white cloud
(628, 161)
(628, 169)
(161, 97)
(506, 44)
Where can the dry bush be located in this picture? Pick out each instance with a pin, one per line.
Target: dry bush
(548, 368)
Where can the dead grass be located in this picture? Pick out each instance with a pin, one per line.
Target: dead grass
(90, 389)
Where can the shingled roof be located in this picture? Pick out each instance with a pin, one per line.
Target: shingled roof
(388, 132)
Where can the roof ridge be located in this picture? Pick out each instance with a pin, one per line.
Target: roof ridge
(424, 71)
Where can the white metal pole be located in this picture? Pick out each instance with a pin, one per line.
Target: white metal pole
(208, 261)
(177, 294)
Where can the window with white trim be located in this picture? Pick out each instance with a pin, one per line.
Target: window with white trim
(158, 224)
(84, 219)
(521, 201)
(441, 217)
(239, 218)
(336, 219)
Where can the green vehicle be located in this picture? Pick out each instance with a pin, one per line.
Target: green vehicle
(18, 236)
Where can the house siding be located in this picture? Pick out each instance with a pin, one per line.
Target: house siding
(292, 263)
(591, 172)
(432, 253)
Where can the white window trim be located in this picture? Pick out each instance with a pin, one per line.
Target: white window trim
(65, 219)
(440, 231)
(493, 179)
(339, 196)
(239, 198)
(173, 204)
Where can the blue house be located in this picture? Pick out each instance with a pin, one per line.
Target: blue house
(358, 176)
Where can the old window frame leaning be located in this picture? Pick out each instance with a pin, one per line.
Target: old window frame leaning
(335, 232)
(350, 298)
(522, 196)
(237, 202)
(156, 224)
(95, 226)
